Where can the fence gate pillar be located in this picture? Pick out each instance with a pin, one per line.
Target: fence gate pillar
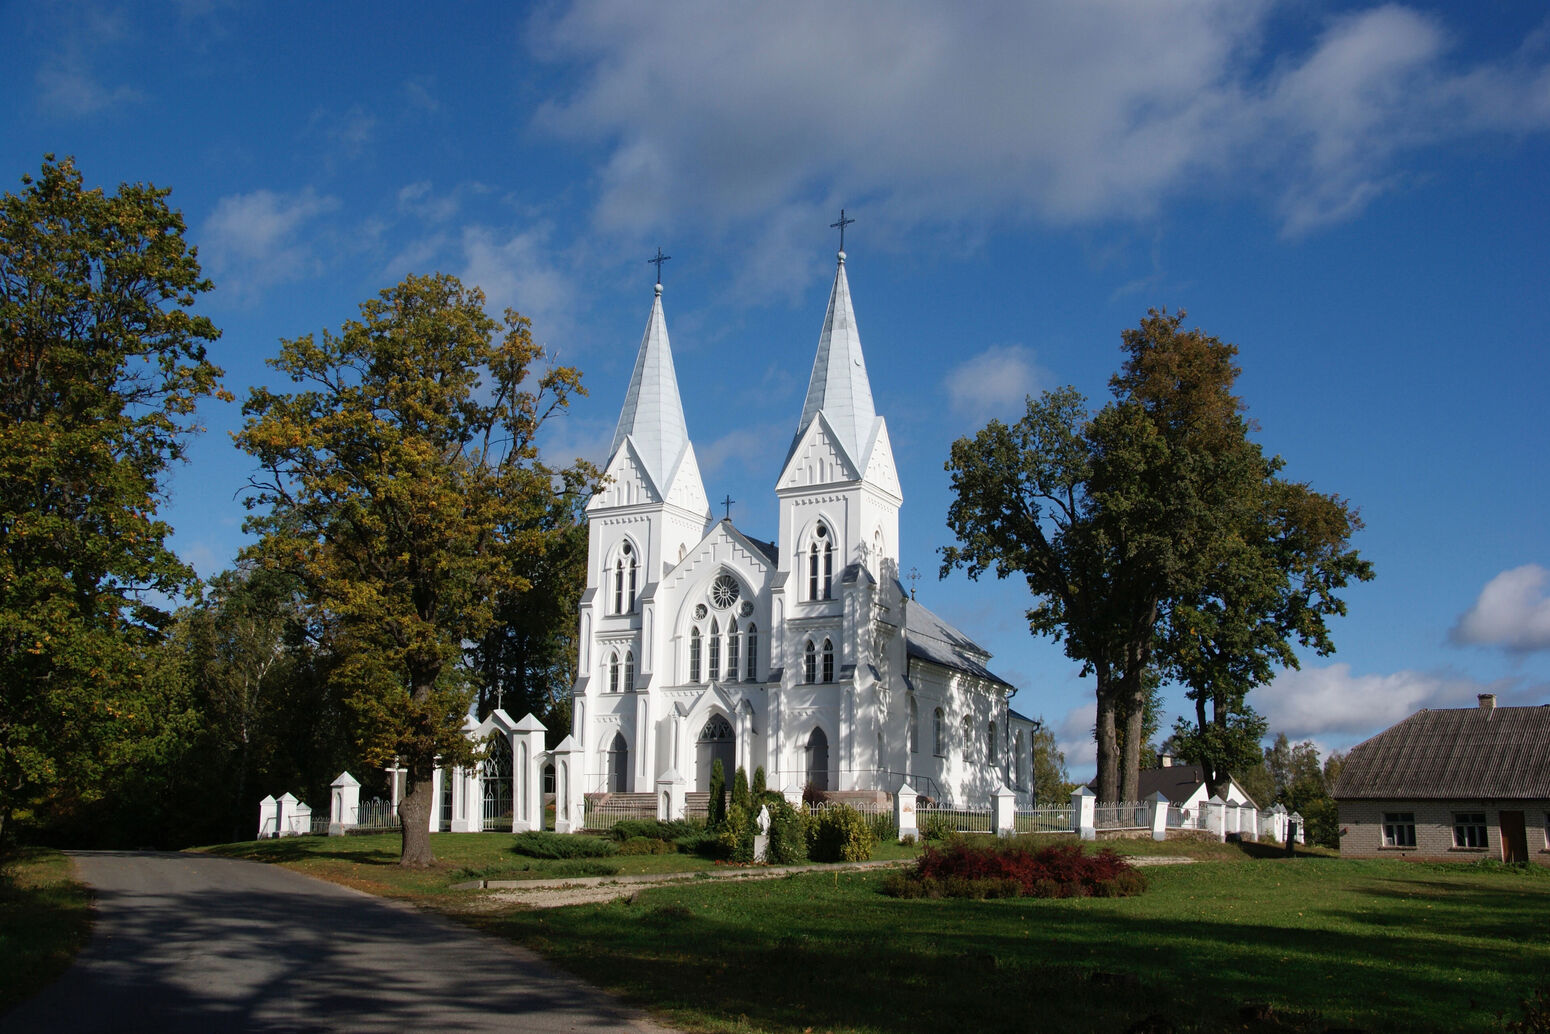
(671, 796)
(904, 803)
(344, 804)
(527, 774)
(285, 815)
(568, 817)
(1299, 828)
(1084, 813)
(1216, 817)
(268, 818)
(1004, 803)
(1159, 802)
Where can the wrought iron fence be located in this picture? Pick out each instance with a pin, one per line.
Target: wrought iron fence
(1123, 815)
(603, 814)
(933, 818)
(1044, 818)
(376, 815)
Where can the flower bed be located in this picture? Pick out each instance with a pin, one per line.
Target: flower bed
(976, 869)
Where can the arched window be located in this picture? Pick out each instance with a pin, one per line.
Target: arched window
(631, 569)
(877, 554)
(629, 671)
(941, 733)
(818, 760)
(619, 586)
(732, 644)
(1017, 760)
(613, 673)
(828, 661)
(715, 650)
(820, 563)
(992, 755)
(828, 567)
(968, 737)
(812, 571)
(752, 660)
(626, 572)
(914, 730)
(694, 655)
(809, 663)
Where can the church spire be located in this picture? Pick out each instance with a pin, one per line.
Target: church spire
(839, 387)
(653, 414)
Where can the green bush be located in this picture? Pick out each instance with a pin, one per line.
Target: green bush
(646, 845)
(788, 834)
(718, 794)
(937, 827)
(539, 844)
(735, 834)
(840, 834)
(654, 829)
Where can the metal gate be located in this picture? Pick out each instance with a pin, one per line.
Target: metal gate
(495, 770)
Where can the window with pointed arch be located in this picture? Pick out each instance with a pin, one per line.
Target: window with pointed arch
(626, 573)
(914, 728)
(828, 661)
(733, 669)
(1017, 760)
(939, 727)
(968, 738)
(751, 671)
(820, 563)
(809, 663)
(694, 655)
(613, 671)
(629, 671)
(715, 650)
(992, 755)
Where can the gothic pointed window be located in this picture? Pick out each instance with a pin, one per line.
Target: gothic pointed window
(629, 671)
(1017, 760)
(631, 568)
(694, 655)
(812, 572)
(828, 567)
(752, 660)
(968, 737)
(992, 755)
(619, 586)
(715, 651)
(613, 673)
(809, 663)
(828, 661)
(732, 644)
(941, 733)
(914, 730)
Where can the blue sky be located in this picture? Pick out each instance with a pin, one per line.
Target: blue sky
(1355, 195)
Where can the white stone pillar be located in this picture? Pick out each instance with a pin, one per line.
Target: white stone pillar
(268, 818)
(395, 775)
(1216, 816)
(1159, 803)
(1004, 802)
(793, 795)
(285, 815)
(301, 819)
(1084, 813)
(344, 804)
(1230, 819)
(568, 817)
(527, 775)
(904, 804)
(1295, 819)
(671, 794)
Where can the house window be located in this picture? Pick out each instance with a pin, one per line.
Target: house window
(992, 755)
(1469, 829)
(1399, 829)
(613, 673)
(809, 663)
(828, 661)
(694, 655)
(732, 644)
(914, 731)
(941, 733)
(752, 673)
(629, 671)
(715, 650)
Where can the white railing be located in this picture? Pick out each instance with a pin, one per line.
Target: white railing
(867, 808)
(1045, 818)
(1181, 818)
(604, 814)
(1123, 815)
(376, 814)
(960, 820)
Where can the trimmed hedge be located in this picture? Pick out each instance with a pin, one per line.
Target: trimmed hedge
(543, 844)
(971, 869)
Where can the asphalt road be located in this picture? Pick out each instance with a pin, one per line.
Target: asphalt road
(186, 943)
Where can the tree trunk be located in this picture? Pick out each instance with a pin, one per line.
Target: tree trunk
(1130, 771)
(414, 813)
(1108, 742)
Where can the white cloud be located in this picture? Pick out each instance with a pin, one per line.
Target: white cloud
(747, 446)
(994, 383)
(1513, 611)
(1065, 112)
(520, 271)
(1074, 733)
(254, 241)
(1332, 705)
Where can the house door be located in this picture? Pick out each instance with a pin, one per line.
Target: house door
(1514, 839)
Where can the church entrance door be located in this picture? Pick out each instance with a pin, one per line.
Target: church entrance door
(716, 741)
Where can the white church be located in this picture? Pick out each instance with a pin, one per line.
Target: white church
(804, 656)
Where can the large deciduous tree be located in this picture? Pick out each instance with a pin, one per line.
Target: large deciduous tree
(403, 485)
(102, 363)
(1155, 536)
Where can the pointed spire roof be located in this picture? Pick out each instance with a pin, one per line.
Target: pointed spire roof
(839, 387)
(653, 414)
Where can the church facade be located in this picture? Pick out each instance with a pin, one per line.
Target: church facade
(804, 656)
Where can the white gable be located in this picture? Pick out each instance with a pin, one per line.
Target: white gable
(880, 470)
(687, 489)
(629, 483)
(818, 459)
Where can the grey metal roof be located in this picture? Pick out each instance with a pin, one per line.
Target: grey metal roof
(839, 387)
(653, 413)
(1468, 752)
(1177, 782)
(929, 638)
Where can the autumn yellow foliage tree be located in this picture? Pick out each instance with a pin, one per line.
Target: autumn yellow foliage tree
(402, 483)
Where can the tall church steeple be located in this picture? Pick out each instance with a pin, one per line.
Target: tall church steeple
(653, 414)
(839, 388)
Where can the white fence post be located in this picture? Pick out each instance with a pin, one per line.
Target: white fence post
(1159, 815)
(285, 815)
(1216, 816)
(344, 804)
(527, 775)
(301, 819)
(1084, 813)
(1295, 819)
(568, 817)
(904, 804)
(671, 796)
(268, 818)
(1004, 802)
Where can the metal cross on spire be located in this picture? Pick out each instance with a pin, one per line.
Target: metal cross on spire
(661, 258)
(727, 502)
(843, 222)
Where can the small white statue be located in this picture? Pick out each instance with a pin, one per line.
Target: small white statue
(764, 820)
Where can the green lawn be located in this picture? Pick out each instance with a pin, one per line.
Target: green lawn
(45, 918)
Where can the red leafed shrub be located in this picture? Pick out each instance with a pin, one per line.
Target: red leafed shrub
(968, 869)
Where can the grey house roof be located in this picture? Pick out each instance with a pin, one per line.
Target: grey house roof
(929, 638)
(839, 387)
(1471, 752)
(1178, 783)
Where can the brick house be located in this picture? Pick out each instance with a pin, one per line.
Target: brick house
(1454, 784)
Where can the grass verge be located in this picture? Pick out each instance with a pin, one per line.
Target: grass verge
(45, 919)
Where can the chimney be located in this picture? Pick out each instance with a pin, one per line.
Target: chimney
(1165, 760)
(1487, 701)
